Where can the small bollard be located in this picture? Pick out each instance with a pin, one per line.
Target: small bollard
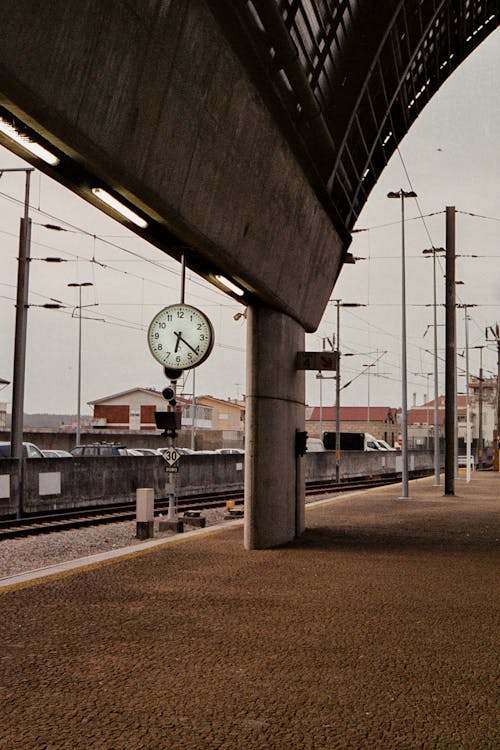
(145, 502)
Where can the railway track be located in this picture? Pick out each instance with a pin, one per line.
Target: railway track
(66, 520)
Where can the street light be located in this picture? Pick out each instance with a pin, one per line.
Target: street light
(79, 397)
(433, 251)
(468, 436)
(401, 195)
(339, 304)
(368, 374)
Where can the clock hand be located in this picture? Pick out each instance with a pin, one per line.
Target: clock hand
(179, 337)
(187, 344)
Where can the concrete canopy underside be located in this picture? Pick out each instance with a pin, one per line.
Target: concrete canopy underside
(149, 99)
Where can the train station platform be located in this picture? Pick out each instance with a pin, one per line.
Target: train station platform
(375, 630)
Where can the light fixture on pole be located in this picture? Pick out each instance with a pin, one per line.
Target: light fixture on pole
(437, 468)
(339, 304)
(79, 396)
(367, 367)
(401, 195)
(17, 426)
(468, 436)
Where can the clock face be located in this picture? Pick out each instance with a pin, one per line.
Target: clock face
(180, 337)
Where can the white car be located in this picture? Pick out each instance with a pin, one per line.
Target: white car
(29, 451)
(314, 445)
(384, 446)
(53, 453)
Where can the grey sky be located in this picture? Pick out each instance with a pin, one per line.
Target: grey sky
(452, 158)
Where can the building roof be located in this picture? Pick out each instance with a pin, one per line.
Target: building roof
(425, 415)
(224, 402)
(149, 391)
(351, 413)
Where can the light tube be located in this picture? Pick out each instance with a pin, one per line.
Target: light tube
(229, 285)
(25, 142)
(115, 204)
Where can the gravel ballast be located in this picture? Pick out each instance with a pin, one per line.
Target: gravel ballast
(40, 550)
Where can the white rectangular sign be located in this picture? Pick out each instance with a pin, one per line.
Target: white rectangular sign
(49, 483)
(4, 486)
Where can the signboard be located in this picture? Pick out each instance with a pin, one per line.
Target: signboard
(171, 455)
(171, 469)
(317, 360)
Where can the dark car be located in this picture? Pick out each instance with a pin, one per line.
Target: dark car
(29, 451)
(98, 449)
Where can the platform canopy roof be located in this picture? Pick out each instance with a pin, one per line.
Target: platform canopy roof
(347, 78)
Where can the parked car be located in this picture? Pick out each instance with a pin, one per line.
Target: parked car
(314, 445)
(232, 451)
(29, 451)
(98, 449)
(384, 446)
(148, 451)
(53, 453)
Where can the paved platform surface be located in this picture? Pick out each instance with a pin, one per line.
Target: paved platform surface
(378, 629)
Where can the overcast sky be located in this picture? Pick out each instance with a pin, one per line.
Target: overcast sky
(450, 157)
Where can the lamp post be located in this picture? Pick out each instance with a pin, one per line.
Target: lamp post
(339, 304)
(21, 325)
(479, 444)
(79, 396)
(368, 374)
(19, 368)
(437, 467)
(401, 195)
(426, 375)
(468, 436)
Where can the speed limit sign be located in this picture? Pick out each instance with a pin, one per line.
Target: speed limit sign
(171, 455)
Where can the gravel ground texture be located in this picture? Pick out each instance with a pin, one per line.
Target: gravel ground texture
(376, 630)
(37, 551)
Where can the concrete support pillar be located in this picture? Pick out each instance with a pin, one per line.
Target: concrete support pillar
(275, 409)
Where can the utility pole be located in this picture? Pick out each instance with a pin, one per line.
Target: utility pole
(480, 425)
(493, 332)
(79, 286)
(450, 365)
(401, 195)
(337, 401)
(17, 428)
(468, 437)
(339, 304)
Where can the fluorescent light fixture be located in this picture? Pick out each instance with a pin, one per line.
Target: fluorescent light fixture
(25, 142)
(229, 285)
(105, 197)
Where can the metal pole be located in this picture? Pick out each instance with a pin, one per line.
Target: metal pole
(320, 405)
(450, 391)
(467, 396)
(79, 392)
(17, 428)
(437, 437)
(183, 277)
(337, 402)
(193, 414)
(404, 420)
(79, 385)
(368, 399)
(480, 426)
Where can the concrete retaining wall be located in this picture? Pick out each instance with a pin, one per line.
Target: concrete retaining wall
(70, 483)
